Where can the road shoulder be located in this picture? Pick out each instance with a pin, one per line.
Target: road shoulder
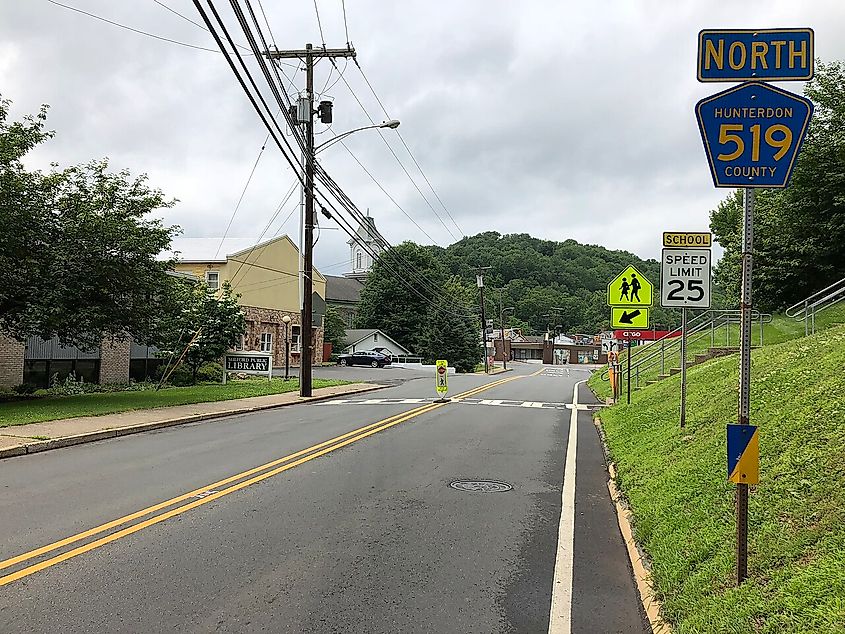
(36, 437)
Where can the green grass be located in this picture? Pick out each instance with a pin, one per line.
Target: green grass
(57, 407)
(779, 330)
(683, 506)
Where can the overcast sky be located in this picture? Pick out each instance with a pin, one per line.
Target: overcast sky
(562, 120)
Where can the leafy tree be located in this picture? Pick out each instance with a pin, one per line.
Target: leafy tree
(334, 329)
(206, 327)
(799, 232)
(78, 250)
(452, 335)
(389, 305)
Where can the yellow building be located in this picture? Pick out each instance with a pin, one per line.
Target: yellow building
(266, 278)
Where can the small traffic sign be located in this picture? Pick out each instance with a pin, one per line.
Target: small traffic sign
(743, 454)
(685, 278)
(752, 134)
(441, 374)
(630, 318)
(630, 288)
(755, 54)
(688, 239)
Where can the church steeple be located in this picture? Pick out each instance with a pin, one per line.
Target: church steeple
(361, 246)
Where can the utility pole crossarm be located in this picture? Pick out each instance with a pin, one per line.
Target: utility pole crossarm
(317, 52)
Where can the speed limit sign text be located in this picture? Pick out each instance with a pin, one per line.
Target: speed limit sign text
(685, 278)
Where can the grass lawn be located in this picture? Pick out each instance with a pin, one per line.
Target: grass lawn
(779, 330)
(683, 506)
(57, 407)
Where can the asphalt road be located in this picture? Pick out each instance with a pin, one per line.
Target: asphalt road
(256, 523)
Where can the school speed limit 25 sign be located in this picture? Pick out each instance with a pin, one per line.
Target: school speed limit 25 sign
(685, 278)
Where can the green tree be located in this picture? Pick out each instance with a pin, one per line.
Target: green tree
(799, 232)
(334, 329)
(204, 329)
(453, 335)
(78, 249)
(387, 302)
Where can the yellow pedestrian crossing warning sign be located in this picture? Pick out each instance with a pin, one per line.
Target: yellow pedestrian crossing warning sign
(630, 289)
(442, 376)
(630, 318)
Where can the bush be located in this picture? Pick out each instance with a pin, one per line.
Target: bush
(210, 372)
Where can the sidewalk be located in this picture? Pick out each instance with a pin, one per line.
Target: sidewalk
(35, 437)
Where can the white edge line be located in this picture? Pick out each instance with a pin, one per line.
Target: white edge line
(560, 617)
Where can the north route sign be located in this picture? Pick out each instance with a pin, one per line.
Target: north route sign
(752, 134)
(630, 289)
(755, 54)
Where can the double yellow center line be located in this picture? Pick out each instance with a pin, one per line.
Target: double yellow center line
(211, 492)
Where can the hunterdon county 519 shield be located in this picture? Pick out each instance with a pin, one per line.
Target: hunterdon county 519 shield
(752, 134)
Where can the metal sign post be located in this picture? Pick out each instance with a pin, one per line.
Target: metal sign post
(683, 366)
(752, 135)
(628, 373)
(744, 379)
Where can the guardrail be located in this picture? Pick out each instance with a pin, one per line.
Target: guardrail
(807, 308)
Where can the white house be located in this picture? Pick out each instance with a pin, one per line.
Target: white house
(373, 339)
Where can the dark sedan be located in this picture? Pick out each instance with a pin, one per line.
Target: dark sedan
(365, 357)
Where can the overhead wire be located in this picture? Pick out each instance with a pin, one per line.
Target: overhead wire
(319, 24)
(398, 160)
(134, 30)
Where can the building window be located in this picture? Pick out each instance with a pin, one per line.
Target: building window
(241, 344)
(358, 260)
(212, 280)
(266, 342)
(294, 338)
(375, 337)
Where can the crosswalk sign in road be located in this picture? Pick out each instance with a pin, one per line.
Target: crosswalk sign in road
(441, 380)
(630, 318)
(630, 289)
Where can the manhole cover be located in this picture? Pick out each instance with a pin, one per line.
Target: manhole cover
(481, 486)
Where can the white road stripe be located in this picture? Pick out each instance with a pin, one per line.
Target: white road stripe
(560, 617)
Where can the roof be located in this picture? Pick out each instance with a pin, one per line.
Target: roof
(343, 289)
(354, 335)
(533, 338)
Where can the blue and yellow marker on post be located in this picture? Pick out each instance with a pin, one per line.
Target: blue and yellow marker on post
(743, 454)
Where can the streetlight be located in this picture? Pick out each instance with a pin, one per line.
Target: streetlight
(502, 312)
(307, 197)
(286, 322)
(392, 124)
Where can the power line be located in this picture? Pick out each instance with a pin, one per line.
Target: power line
(243, 192)
(345, 25)
(398, 160)
(408, 149)
(134, 30)
(319, 24)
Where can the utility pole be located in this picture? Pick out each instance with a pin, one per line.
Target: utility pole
(307, 346)
(479, 280)
(502, 310)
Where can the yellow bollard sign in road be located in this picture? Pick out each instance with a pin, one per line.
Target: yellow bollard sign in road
(441, 380)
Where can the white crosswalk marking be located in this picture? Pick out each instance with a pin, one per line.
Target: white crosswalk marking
(496, 402)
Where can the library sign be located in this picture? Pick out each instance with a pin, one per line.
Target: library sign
(248, 363)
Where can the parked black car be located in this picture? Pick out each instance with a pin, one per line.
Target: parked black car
(365, 357)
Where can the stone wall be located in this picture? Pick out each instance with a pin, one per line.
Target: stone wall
(114, 361)
(11, 361)
(268, 320)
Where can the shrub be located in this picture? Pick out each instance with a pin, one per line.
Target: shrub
(210, 372)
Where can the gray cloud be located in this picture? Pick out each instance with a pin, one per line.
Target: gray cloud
(563, 121)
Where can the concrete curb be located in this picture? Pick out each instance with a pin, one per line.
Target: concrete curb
(68, 441)
(639, 563)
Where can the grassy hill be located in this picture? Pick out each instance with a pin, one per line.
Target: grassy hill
(676, 483)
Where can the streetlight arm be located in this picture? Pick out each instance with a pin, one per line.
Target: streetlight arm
(392, 124)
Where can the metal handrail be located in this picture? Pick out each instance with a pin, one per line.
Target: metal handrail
(806, 311)
(696, 325)
(804, 304)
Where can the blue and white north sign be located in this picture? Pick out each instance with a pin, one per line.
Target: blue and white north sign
(752, 134)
